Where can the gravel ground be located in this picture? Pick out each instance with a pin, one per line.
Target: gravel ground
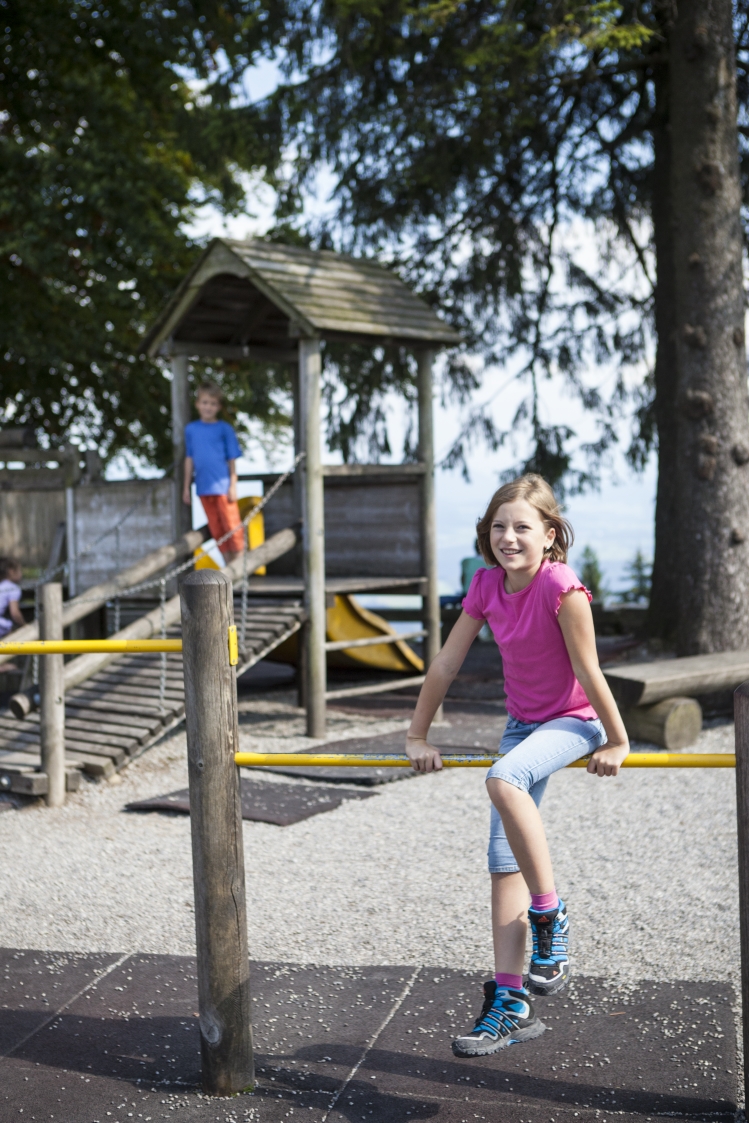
(646, 862)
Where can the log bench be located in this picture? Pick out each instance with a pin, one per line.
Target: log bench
(657, 699)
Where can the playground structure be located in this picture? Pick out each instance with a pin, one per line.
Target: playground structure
(272, 303)
(211, 659)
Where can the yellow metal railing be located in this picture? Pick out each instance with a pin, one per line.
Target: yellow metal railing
(370, 760)
(85, 646)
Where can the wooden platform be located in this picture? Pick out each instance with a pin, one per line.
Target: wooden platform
(121, 711)
(638, 684)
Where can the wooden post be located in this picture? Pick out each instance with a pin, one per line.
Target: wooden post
(52, 696)
(207, 605)
(71, 546)
(314, 537)
(741, 717)
(431, 599)
(298, 486)
(181, 512)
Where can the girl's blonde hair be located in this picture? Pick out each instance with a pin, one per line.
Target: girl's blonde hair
(535, 490)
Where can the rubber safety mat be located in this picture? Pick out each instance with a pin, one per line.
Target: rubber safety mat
(114, 1038)
(281, 804)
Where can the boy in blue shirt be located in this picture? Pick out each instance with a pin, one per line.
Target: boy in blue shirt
(212, 449)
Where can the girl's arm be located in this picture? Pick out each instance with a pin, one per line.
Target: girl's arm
(576, 622)
(423, 756)
(14, 611)
(187, 480)
(231, 494)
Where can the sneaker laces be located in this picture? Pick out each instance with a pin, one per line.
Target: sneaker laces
(543, 936)
(494, 1017)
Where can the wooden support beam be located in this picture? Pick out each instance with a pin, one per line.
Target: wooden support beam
(52, 696)
(432, 619)
(181, 513)
(217, 843)
(314, 537)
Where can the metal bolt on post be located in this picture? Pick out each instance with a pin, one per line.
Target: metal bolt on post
(52, 695)
(207, 605)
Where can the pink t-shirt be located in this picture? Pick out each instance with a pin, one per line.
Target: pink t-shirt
(539, 681)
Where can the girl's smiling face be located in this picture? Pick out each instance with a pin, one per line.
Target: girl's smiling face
(519, 537)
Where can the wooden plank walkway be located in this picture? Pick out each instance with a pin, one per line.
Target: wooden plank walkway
(120, 712)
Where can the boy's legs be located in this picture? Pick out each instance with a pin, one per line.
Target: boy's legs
(224, 516)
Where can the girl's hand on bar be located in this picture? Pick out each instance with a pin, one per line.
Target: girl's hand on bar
(607, 761)
(423, 756)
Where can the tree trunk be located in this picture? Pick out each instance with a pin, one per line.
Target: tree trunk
(706, 453)
(663, 613)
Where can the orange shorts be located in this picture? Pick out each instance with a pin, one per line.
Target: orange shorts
(223, 516)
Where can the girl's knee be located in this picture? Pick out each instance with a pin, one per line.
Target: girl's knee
(502, 793)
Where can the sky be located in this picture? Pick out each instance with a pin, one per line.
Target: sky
(616, 520)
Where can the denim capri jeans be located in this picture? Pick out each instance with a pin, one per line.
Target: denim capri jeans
(533, 751)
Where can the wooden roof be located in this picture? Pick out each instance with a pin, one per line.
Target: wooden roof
(243, 296)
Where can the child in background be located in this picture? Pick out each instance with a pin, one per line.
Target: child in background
(212, 449)
(10, 595)
(559, 709)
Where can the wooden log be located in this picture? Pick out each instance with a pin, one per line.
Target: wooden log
(638, 684)
(52, 696)
(675, 723)
(217, 842)
(741, 717)
(98, 595)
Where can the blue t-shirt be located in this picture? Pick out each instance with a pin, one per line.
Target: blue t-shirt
(211, 444)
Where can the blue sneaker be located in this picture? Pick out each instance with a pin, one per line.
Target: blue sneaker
(549, 969)
(507, 1016)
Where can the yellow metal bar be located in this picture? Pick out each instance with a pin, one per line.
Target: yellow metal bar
(371, 760)
(83, 646)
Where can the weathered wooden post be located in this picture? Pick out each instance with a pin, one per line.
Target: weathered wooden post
(314, 537)
(741, 716)
(52, 695)
(431, 599)
(206, 599)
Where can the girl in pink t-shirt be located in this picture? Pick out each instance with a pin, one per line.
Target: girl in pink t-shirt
(559, 709)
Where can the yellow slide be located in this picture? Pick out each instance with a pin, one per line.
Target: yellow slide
(347, 619)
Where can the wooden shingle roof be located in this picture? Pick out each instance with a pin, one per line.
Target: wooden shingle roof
(245, 294)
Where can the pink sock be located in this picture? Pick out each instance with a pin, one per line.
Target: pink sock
(515, 982)
(541, 902)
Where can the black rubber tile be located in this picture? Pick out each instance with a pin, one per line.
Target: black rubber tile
(281, 804)
(365, 1043)
(651, 1049)
(131, 1045)
(34, 985)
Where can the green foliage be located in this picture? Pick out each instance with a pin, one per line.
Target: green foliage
(591, 574)
(639, 571)
(464, 137)
(105, 150)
